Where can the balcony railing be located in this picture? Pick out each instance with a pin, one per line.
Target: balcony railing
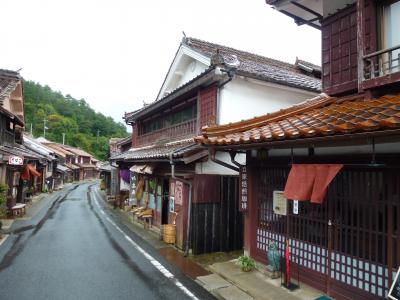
(381, 63)
(9, 138)
(175, 131)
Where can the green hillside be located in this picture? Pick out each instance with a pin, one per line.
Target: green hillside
(83, 127)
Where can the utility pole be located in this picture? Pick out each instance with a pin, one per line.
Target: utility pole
(44, 127)
(98, 132)
(63, 138)
(31, 129)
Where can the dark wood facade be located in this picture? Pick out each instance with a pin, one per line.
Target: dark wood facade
(339, 52)
(348, 246)
(181, 119)
(217, 223)
(355, 58)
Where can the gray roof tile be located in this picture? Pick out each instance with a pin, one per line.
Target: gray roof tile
(259, 66)
(178, 148)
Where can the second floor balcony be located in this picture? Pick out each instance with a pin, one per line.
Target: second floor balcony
(184, 129)
(382, 64)
(8, 138)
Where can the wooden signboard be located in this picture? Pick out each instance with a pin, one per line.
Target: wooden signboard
(394, 292)
(16, 160)
(178, 192)
(172, 189)
(243, 188)
(295, 207)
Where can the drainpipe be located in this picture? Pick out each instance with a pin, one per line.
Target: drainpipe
(189, 211)
(230, 73)
(235, 162)
(211, 156)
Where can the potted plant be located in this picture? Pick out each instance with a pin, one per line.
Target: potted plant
(246, 263)
(3, 199)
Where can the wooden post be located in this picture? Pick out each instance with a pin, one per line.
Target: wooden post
(390, 226)
(360, 43)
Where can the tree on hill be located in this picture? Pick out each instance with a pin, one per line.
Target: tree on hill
(82, 126)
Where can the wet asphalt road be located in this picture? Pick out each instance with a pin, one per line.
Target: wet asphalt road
(73, 249)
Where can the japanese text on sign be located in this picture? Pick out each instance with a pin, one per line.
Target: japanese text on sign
(243, 181)
(16, 160)
(178, 192)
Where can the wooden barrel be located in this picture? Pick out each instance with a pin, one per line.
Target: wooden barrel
(169, 233)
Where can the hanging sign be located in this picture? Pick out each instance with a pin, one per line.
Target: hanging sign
(171, 204)
(295, 207)
(178, 192)
(394, 292)
(243, 188)
(172, 188)
(15, 160)
(280, 203)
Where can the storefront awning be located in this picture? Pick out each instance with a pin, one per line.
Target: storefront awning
(310, 181)
(142, 169)
(62, 169)
(29, 171)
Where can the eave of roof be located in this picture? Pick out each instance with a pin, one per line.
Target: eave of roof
(21, 151)
(76, 151)
(207, 77)
(258, 66)
(13, 117)
(157, 152)
(62, 152)
(329, 118)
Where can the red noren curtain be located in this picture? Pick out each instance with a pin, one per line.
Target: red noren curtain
(29, 171)
(310, 181)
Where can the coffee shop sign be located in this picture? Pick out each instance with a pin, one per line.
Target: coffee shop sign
(16, 160)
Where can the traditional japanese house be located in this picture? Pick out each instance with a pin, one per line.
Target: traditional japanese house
(105, 176)
(63, 173)
(323, 175)
(206, 84)
(15, 157)
(12, 159)
(66, 158)
(49, 160)
(11, 94)
(83, 160)
(118, 146)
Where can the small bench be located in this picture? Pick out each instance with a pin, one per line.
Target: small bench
(18, 209)
(147, 217)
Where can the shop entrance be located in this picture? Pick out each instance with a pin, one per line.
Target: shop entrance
(347, 246)
(217, 223)
(165, 202)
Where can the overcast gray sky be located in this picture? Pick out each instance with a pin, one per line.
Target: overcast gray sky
(115, 54)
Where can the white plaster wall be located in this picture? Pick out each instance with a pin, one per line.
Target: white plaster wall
(244, 98)
(210, 167)
(6, 104)
(191, 69)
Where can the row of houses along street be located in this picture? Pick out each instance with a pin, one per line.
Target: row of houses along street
(240, 151)
(31, 166)
(292, 164)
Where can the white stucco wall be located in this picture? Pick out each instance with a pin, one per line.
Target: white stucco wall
(244, 98)
(191, 69)
(210, 167)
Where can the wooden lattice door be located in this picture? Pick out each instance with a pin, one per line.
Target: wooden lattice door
(347, 246)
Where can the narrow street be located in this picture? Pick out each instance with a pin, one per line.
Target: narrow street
(74, 250)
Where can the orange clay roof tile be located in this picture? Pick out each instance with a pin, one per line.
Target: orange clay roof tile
(321, 116)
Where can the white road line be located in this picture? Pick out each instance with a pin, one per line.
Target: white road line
(150, 258)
